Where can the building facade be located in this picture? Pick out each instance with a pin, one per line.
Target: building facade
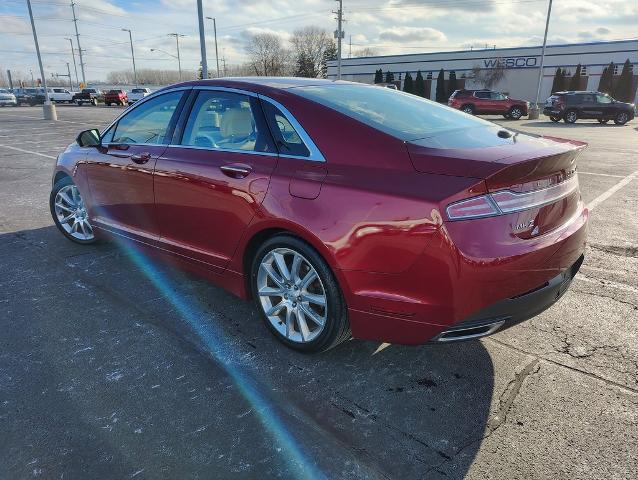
(520, 66)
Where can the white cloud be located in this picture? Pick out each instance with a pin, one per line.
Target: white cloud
(412, 34)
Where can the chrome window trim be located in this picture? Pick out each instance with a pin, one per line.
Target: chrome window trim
(315, 153)
(222, 150)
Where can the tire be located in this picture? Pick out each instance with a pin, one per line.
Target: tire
(469, 109)
(287, 289)
(621, 118)
(94, 102)
(516, 113)
(570, 116)
(554, 119)
(506, 115)
(72, 207)
(603, 120)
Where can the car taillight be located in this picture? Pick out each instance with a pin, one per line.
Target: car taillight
(507, 201)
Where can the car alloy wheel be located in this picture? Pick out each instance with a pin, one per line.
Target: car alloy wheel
(621, 118)
(69, 212)
(298, 295)
(516, 113)
(468, 109)
(292, 295)
(554, 119)
(571, 116)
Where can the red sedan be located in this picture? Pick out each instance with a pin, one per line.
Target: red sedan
(340, 208)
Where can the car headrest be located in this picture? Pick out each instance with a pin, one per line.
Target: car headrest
(237, 122)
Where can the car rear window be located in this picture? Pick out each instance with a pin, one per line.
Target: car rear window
(114, 92)
(402, 115)
(138, 90)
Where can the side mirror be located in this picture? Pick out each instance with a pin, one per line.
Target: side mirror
(89, 138)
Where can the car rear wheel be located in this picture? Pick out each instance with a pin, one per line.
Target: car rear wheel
(516, 113)
(570, 116)
(469, 109)
(554, 119)
(69, 212)
(298, 296)
(621, 118)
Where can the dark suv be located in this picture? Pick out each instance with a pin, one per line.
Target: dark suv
(570, 106)
(488, 102)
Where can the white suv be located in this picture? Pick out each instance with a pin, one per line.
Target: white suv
(7, 98)
(138, 94)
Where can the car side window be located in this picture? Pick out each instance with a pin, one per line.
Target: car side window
(587, 99)
(222, 120)
(482, 94)
(497, 96)
(286, 137)
(149, 122)
(603, 99)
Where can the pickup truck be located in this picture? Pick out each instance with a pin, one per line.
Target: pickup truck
(138, 94)
(117, 97)
(88, 95)
(60, 95)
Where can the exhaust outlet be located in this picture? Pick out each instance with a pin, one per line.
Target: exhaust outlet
(468, 333)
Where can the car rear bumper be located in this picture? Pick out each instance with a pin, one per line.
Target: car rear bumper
(8, 102)
(462, 279)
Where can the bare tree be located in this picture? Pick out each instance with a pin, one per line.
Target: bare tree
(488, 77)
(309, 46)
(268, 57)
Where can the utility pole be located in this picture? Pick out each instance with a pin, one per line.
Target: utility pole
(202, 39)
(48, 108)
(339, 34)
(350, 51)
(130, 37)
(179, 61)
(535, 111)
(216, 52)
(68, 69)
(77, 81)
(224, 63)
(77, 37)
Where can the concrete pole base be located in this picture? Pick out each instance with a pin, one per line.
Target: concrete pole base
(533, 113)
(49, 111)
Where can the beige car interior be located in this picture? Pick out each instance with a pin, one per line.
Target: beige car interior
(231, 129)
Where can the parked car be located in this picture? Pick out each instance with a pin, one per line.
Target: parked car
(88, 95)
(573, 105)
(487, 102)
(117, 97)
(382, 234)
(29, 96)
(7, 99)
(60, 95)
(138, 94)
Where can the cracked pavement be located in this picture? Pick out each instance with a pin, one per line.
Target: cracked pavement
(112, 367)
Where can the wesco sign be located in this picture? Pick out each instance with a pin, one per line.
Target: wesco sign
(512, 62)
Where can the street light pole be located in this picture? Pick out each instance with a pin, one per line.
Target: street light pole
(48, 108)
(536, 109)
(68, 69)
(77, 80)
(216, 51)
(130, 36)
(77, 36)
(202, 39)
(340, 35)
(179, 61)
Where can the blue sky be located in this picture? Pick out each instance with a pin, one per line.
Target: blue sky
(386, 26)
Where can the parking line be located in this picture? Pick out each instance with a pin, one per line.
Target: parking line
(27, 151)
(605, 195)
(601, 174)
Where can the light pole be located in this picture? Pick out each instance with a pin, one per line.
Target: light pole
(48, 108)
(130, 37)
(77, 36)
(535, 112)
(202, 39)
(339, 34)
(179, 61)
(215, 33)
(75, 67)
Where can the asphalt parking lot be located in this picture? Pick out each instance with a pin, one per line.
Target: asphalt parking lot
(114, 367)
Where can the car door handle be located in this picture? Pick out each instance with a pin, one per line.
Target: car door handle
(141, 158)
(235, 171)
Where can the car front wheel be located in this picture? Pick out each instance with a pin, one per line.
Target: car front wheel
(69, 212)
(570, 116)
(469, 109)
(516, 113)
(621, 118)
(554, 119)
(298, 296)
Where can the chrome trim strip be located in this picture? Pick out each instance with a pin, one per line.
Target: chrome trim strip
(228, 150)
(491, 328)
(315, 153)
